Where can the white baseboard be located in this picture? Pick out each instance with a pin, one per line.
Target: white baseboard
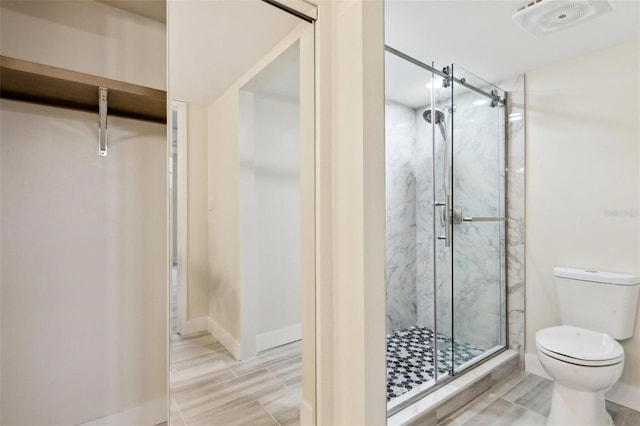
(624, 394)
(278, 337)
(532, 365)
(227, 340)
(621, 393)
(306, 414)
(148, 414)
(197, 325)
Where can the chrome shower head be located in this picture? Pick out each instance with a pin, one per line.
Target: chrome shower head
(439, 115)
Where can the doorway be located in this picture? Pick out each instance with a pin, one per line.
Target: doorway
(251, 313)
(178, 212)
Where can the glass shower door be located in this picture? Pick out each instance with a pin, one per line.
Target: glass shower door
(445, 232)
(442, 110)
(477, 220)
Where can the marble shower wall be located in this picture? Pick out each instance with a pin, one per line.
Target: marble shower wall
(478, 260)
(515, 215)
(425, 174)
(410, 221)
(478, 190)
(400, 189)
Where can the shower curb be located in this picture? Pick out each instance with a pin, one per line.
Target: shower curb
(443, 402)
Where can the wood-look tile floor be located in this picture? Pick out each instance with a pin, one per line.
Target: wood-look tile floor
(523, 399)
(209, 387)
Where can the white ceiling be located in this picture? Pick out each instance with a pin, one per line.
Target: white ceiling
(212, 43)
(481, 37)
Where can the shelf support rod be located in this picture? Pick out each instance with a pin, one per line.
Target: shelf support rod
(102, 124)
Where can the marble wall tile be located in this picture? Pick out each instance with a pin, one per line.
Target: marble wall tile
(477, 246)
(400, 189)
(516, 215)
(424, 172)
(425, 419)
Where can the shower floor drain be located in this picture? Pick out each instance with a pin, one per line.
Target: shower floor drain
(410, 360)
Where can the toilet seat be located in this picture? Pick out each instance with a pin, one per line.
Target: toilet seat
(579, 346)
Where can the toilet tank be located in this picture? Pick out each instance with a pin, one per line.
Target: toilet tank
(599, 301)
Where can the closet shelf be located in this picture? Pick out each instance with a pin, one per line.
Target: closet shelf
(32, 82)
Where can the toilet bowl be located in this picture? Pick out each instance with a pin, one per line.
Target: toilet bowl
(582, 356)
(584, 364)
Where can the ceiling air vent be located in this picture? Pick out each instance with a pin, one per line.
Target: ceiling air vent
(542, 17)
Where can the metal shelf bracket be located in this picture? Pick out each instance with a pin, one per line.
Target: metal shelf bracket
(102, 124)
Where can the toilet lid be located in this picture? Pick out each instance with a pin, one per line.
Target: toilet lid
(579, 344)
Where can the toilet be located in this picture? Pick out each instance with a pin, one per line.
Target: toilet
(582, 355)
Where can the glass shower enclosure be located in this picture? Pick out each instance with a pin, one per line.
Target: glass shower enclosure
(445, 224)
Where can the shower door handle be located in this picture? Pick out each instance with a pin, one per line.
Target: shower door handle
(447, 220)
(484, 219)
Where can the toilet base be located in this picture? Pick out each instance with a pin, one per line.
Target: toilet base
(571, 407)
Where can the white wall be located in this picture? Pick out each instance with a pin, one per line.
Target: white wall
(197, 240)
(351, 283)
(583, 179)
(223, 225)
(86, 36)
(231, 227)
(83, 266)
(224, 218)
(270, 202)
(84, 239)
(277, 168)
(269, 145)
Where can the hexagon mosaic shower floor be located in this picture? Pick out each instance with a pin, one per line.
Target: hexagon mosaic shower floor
(410, 358)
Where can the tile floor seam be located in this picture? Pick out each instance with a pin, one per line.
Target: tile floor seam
(476, 413)
(234, 371)
(469, 419)
(204, 381)
(269, 413)
(224, 381)
(526, 408)
(477, 408)
(277, 378)
(505, 391)
(477, 404)
(499, 398)
(184, 421)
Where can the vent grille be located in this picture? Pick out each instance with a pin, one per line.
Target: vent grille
(546, 16)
